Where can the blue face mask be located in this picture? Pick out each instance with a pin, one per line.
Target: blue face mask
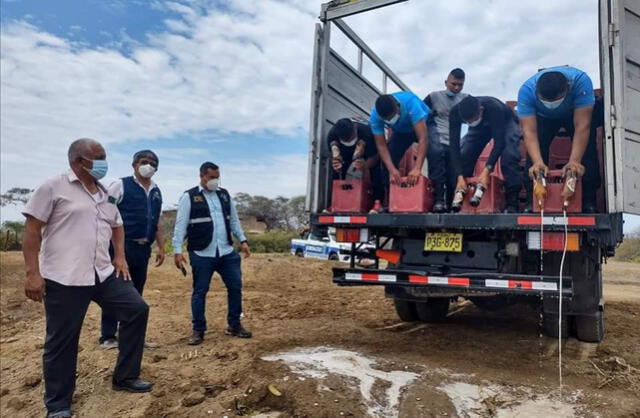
(451, 94)
(99, 169)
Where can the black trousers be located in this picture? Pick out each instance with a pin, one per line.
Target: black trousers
(138, 261)
(548, 129)
(65, 309)
(439, 162)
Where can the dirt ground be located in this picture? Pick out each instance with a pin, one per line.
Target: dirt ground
(291, 304)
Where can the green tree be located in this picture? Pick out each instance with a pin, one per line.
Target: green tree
(14, 196)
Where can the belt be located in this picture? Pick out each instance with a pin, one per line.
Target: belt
(140, 241)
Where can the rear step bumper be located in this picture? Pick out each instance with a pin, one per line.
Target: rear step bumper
(463, 283)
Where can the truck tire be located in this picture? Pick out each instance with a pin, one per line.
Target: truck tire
(590, 328)
(433, 309)
(333, 257)
(406, 310)
(550, 325)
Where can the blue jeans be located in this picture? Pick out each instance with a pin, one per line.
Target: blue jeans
(203, 268)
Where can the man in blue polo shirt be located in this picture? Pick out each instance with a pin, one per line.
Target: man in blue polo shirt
(562, 97)
(405, 114)
(140, 203)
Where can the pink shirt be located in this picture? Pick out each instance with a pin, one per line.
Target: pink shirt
(75, 239)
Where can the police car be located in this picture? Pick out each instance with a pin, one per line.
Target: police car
(321, 244)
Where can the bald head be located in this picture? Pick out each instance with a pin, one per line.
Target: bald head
(83, 148)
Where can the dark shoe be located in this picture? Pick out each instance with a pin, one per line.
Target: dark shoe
(65, 413)
(528, 208)
(589, 208)
(512, 209)
(513, 203)
(238, 331)
(439, 207)
(589, 203)
(133, 385)
(196, 338)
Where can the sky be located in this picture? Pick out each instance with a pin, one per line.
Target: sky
(229, 80)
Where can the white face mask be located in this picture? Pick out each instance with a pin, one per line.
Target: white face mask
(147, 171)
(553, 104)
(475, 122)
(394, 119)
(349, 143)
(212, 185)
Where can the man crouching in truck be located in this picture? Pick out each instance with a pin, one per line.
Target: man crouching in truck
(487, 118)
(405, 114)
(354, 154)
(554, 98)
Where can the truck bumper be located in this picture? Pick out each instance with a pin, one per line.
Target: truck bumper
(459, 284)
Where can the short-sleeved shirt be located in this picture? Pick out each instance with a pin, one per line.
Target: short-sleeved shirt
(440, 104)
(346, 151)
(76, 237)
(580, 95)
(412, 110)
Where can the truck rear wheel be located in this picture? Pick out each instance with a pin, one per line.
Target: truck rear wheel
(590, 328)
(406, 310)
(433, 309)
(550, 326)
(333, 257)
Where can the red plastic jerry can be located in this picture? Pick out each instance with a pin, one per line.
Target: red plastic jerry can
(554, 202)
(351, 196)
(416, 198)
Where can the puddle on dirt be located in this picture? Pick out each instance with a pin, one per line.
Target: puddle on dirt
(473, 401)
(469, 400)
(321, 361)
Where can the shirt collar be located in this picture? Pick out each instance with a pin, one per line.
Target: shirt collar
(153, 183)
(72, 177)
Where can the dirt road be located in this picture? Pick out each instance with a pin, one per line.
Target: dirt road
(331, 352)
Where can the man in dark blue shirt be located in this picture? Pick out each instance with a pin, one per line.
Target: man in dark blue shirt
(562, 97)
(140, 203)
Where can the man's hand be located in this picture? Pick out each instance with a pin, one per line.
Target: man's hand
(413, 176)
(34, 287)
(336, 164)
(576, 167)
(359, 164)
(122, 269)
(179, 261)
(244, 247)
(483, 178)
(394, 176)
(160, 256)
(538, 167)
(461, 184)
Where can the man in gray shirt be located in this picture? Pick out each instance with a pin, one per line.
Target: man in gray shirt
(440, 103)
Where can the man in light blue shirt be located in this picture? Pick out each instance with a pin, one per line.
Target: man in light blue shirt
(207, 217)
(405, 114)
(562, 97)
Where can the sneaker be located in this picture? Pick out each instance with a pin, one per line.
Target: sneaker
(109, 344)
(63, 413)
(439, 207)
(239, 332)
(132, 385)
(196, 338)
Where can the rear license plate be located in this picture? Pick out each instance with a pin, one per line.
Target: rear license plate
(443, 241)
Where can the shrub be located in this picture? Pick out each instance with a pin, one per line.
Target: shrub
(271, 242)
(629, 250)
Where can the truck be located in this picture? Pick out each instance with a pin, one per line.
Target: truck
(493, 259)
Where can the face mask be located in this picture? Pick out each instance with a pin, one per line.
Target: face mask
(212, 185)
(349, 143)
(394, 119)
(147, 171)
(475, 122)
(451, 94)
(99, 169)
(552, 105)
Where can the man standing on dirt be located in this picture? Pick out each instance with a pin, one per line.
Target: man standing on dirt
(562, 97)
(70, 223)
(440, 103)
(207, 217)
(140, 203)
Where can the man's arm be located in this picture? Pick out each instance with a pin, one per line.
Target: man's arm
(529, 127)
(115, 191)
(119, 260)
(498, 119)
(160, 242)
(383, 152)
(236, 230)
(31, 240)
(582, 125)
(180, 230)
(420, 129)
